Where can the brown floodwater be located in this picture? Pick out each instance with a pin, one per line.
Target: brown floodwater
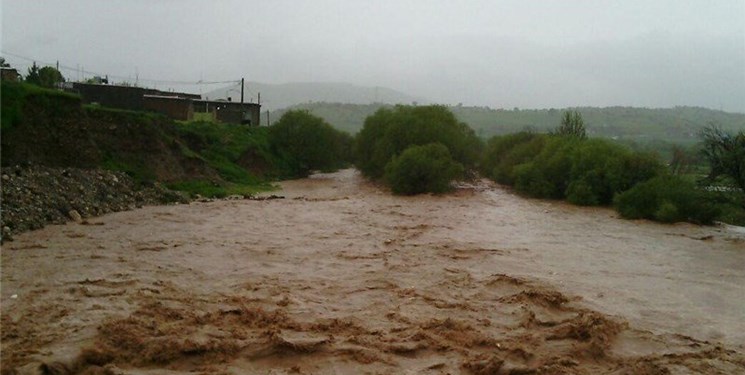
(342, 277)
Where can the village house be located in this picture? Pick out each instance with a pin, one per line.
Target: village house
(10, 74)
(176, 105)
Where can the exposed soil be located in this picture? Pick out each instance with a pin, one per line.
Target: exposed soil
(340, 277)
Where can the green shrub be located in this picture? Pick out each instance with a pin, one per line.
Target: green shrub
(668, 199)
(529, 179)
(633, 168)
(584, 171)
(308, 143)
(667, 212)
(583, 192)
(548, 175)
(521, 152)
(497, 147)
(601, 169)
(388, 132)
(422, 169)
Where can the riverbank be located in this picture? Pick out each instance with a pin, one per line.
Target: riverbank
(34, 196)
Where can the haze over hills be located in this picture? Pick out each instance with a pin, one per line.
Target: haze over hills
(277, 96)
(345, 106)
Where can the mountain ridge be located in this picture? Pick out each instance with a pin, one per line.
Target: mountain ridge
(283, 95)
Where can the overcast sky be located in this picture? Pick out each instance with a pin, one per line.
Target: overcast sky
(527, 54)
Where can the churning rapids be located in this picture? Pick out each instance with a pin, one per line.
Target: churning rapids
(340, 277)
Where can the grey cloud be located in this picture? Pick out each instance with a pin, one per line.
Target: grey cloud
(502, 54)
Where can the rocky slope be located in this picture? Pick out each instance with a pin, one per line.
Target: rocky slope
(33, 196)
(59, 156)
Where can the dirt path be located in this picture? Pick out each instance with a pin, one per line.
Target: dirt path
(341, 278)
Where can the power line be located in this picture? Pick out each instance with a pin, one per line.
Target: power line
(76, 69)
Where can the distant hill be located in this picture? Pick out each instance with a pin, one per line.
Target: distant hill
(678, 124)
(284, 95)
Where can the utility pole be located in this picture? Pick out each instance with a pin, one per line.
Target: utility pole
(242, 90)
(259, 98)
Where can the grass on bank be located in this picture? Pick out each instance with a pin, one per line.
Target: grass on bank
(240, 155)
(14, 95)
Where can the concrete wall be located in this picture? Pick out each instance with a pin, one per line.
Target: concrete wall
(173, 107)
(123, 97)
(231, 112)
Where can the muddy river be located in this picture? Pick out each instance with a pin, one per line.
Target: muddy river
(340, 277)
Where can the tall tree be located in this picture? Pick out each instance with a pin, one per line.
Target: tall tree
(572, 125)
(33, 75)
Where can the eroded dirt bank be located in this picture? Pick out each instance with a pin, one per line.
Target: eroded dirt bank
(340, 278)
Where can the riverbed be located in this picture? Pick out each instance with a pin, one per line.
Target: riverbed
(341, 277)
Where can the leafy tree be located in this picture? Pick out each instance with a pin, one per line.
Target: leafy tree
(45, 77)
(421, 169)
(3, 63)
(308, 143)
(50, 77)
(33, 75)
(725, 153)
(572, 125)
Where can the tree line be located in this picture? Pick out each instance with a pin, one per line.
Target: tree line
(424, 149)
(47, 76)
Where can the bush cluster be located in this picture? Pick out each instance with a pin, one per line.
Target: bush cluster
(386, 147)
(422, 169)
(668, 199)
(388, 132)
(600, 172)
(583, 171)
